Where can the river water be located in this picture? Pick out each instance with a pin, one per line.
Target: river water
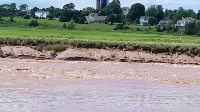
(96, 95)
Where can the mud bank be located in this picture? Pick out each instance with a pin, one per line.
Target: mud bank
(82, 54)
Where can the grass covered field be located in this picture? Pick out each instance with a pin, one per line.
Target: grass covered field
(94, 35)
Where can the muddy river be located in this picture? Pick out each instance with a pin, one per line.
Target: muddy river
(59, 86)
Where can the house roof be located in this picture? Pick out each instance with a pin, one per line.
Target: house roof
(93, 14)
(101, 18)
(165, 20)
(40, 10)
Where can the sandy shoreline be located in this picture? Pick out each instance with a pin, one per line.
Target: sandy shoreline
(12, 69)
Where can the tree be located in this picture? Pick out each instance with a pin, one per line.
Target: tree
(136, 11)
(33, 10)
(113, 8)
(159, 13)
(191, 13)
(191, 29)
(155, 11)
(170, 14)
(82, 20)
(67, 12)
(76, 16)
(111, 18)
(23, 7)
(22, 10)
(153, 21)
(137, 21)
(12, 7)
(86, 11)
(180, 13)
(51, 11)
(198, 15)
(118, 18)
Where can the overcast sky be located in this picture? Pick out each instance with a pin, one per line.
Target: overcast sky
(169, 4)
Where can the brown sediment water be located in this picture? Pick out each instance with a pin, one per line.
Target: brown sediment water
(62, 86)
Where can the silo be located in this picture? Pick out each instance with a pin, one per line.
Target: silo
(98, 4)
(104, 3)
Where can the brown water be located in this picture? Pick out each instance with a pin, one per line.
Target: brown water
(62, 86)
(99, 95)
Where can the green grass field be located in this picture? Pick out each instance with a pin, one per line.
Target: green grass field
(52, 29)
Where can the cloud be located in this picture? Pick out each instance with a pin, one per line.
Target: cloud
(169, 4)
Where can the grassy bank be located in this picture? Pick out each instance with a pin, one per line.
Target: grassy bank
(53, 36)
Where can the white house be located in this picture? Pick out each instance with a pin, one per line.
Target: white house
(184, 21)
(41, 14)
(94, 18)
(144, 20)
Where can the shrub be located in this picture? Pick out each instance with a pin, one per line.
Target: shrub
(50, 16)
(121, 27)
(71, 25)
(158, 29)
(191, 29)
(27, 16)
(175, 29)
(64, 25)
(164, 28)
(137, 21)
(11, 19)
(82, 20)
(33, 23)
(56, 48)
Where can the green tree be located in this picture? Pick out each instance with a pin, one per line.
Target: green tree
(198, 15)
(153, 21)
(155, 11)
(137, 21)
(179, 14)
(113, 8)
(136, 11)
(118, 18)
(111, 18)
(191, 29)
(23, 7)
(67, 12)
(191, 13)
(33, 10)
(170, 14)
(82, 20)
(12, 8)
(86, 11)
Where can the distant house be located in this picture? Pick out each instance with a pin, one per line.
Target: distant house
(95, 18)
(144, 20)
(41, 14)
(184, 21)
(164, 22)
(125, 14)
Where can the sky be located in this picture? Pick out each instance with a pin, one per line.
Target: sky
(167, 4)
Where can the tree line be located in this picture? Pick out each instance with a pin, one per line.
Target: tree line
(113, 11)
